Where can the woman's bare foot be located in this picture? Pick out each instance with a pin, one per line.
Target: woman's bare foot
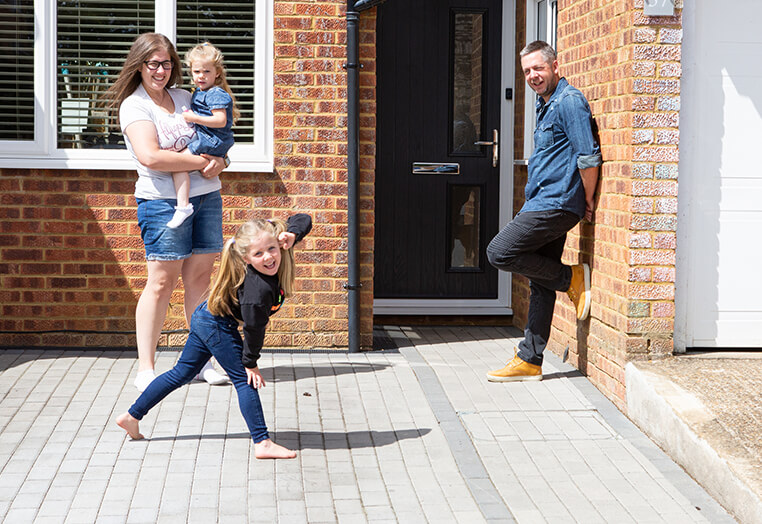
(130, 424)
(267, 449)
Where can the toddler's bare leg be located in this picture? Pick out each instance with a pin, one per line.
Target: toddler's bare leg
(182, 187)
(184, 208)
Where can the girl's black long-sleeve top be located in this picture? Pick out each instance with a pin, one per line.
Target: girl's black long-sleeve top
(261, 296)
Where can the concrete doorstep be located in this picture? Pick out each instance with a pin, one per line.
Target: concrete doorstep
(700, 439)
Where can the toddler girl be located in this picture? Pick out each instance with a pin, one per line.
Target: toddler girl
(213, 111)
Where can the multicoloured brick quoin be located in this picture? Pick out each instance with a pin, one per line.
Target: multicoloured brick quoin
(628, 66)
(71, 259)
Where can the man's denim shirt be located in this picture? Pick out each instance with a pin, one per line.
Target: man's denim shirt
(563, 144)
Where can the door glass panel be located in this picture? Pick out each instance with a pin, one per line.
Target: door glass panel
(465, 206)
(467, 61)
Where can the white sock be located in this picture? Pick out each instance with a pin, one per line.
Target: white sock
(211, 376)
(181, 213)
(144, 378)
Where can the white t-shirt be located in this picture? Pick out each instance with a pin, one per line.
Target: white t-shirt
(173, 134)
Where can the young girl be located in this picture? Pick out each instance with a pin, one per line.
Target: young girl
(256, 273)
(213, 111)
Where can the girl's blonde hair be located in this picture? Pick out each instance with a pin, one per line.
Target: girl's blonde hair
(223, 295)
(129, 77)
(208, 53)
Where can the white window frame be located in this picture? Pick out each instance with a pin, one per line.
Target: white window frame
(43, 151)
(530, 97)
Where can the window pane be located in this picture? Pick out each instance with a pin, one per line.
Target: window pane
(229, 26)
(467, 34)
(465, 205)
(17, 82)
(542, 21)
(553, 23)
(93, 40)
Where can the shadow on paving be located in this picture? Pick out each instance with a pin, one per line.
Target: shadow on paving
(387, 337)
(281, 373)
(299, 440)
(10, 358)
(562, 374)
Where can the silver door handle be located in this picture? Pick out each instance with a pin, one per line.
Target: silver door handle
(495, 146)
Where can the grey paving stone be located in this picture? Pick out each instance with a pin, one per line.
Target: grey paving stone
(90, 494)
(321, 514)
(372, 446)
(56, 508)
(291, 509)
(83, 516)
(145, 515)
(29, 500)
(20, 515)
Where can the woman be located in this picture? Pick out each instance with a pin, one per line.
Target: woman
(150, 115)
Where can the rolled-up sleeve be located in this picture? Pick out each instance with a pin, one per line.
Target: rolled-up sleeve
(577, 121)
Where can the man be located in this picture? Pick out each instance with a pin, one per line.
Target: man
(563, 173)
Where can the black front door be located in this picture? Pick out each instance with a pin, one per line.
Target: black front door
(437, 190)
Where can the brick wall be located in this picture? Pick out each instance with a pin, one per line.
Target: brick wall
(71, 259)
(310, 152)
(628, 66)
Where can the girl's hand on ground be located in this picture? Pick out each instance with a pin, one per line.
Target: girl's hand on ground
(214, 167)
(286, 240)
(255, 378)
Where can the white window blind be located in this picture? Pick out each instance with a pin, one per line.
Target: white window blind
(230, 27)
(63, 55)
(17, 81)
(93, 38)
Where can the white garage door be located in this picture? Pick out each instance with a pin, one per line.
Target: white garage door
(719, 268)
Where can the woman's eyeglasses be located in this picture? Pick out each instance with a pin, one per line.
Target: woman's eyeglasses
(152, 65)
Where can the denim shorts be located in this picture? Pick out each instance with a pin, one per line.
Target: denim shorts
(200, 233)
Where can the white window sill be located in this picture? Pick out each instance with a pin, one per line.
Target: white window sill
(112, 160)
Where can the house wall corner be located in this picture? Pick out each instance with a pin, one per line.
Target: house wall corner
(628, 65)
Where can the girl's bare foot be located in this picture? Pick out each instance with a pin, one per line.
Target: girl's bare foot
(267, 449)
(130, 424)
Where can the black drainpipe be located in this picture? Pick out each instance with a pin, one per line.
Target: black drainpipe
(352, 66)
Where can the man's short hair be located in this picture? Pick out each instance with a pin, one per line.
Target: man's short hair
(548, 53)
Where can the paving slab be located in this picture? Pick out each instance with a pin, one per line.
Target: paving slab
(409, 434)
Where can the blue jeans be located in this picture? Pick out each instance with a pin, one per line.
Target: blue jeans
(201, 233)
(209, 336)
(531, 245)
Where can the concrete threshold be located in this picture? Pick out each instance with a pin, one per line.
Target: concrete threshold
(701, 412)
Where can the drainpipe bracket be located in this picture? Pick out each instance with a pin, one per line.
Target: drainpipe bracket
(350, 287)
(352, 66)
